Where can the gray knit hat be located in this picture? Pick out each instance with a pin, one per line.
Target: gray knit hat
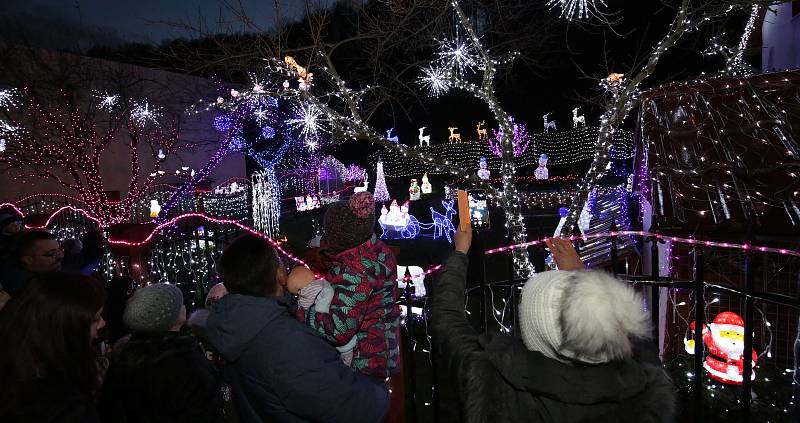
(583, 316)
(153, 308)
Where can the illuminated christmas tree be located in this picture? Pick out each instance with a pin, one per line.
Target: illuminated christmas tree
(381, 193)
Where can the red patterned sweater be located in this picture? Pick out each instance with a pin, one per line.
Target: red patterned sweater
(364, 305)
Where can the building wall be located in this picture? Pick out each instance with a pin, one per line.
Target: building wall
(781, 39)
(173, 91)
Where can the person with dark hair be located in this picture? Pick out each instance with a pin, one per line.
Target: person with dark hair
(49, 370)
(10, 228)
(159, 374)
(584, 353)
(280, 369)
(36, 252)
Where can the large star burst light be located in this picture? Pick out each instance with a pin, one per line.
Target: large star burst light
(308, 119)
(577, 9)
(434, 80)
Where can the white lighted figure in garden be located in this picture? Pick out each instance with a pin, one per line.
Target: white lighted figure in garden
(424, 139)
(427, 188)
(578, 120)
(549, 125)
(724, 346)
(155, 208)
(483, 171)
(541, 172)
(414, 191)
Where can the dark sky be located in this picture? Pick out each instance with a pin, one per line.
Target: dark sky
(86, 23)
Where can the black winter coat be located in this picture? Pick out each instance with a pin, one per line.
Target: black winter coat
(160, 377)
(499, 380)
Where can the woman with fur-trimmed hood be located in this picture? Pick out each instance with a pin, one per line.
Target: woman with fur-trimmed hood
(584, 355)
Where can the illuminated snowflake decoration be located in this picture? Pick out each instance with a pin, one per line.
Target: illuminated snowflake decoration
(8, 98)
(7, 128)
(106, 101)
(434, 80)
(312, 144)
(143, 112)
(458, 55)
(577, 9)
(308, 120)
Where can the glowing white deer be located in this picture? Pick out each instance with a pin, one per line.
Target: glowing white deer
(424, 138)
(364, 187)
(578, 120)
(549, 125)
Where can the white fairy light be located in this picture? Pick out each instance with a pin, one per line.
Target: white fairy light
(7, 128)
(308, 119)
(107, 101)
(577, 9)
(143, 112)
(8, 98)
(434, 80)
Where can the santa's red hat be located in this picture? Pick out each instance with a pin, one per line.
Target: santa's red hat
(729, 321)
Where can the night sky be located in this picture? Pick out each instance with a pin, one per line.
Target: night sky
(59, 23)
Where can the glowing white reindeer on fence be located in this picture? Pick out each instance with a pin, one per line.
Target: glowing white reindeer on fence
(443, 223)
(391, 138)
(549, 125)
(482, 133)
(424, 138)
(578, 120)
(454, 137)
(363, 187)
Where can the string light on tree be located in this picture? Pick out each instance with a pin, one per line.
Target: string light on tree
(8, 98)
(577, 9)
(143, 113)
(106, 101)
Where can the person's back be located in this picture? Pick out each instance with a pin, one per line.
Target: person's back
(281, 370)
(159, 374)
(583, 354)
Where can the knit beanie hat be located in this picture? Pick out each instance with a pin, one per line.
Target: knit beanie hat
(154, 308)
(350, 223)
(581, 316)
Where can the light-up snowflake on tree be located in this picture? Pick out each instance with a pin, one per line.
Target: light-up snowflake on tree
(577, 9)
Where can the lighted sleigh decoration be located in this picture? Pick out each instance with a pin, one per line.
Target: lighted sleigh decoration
(724, 346)
(397, 223)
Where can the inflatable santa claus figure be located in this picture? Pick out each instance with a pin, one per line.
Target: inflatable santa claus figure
(724, 342)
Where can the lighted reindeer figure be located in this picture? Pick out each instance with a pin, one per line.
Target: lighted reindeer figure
(424, 138)
(454, 137)
(549, 125)
(482, 133)
(391, 138)
(578, 120)
(443, 223)
(364, 187)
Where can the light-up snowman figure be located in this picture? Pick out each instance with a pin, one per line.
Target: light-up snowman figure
(155, 209)
(414, 191)
(484, 172)
(541, 172)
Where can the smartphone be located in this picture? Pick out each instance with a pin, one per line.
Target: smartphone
(478, 209)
